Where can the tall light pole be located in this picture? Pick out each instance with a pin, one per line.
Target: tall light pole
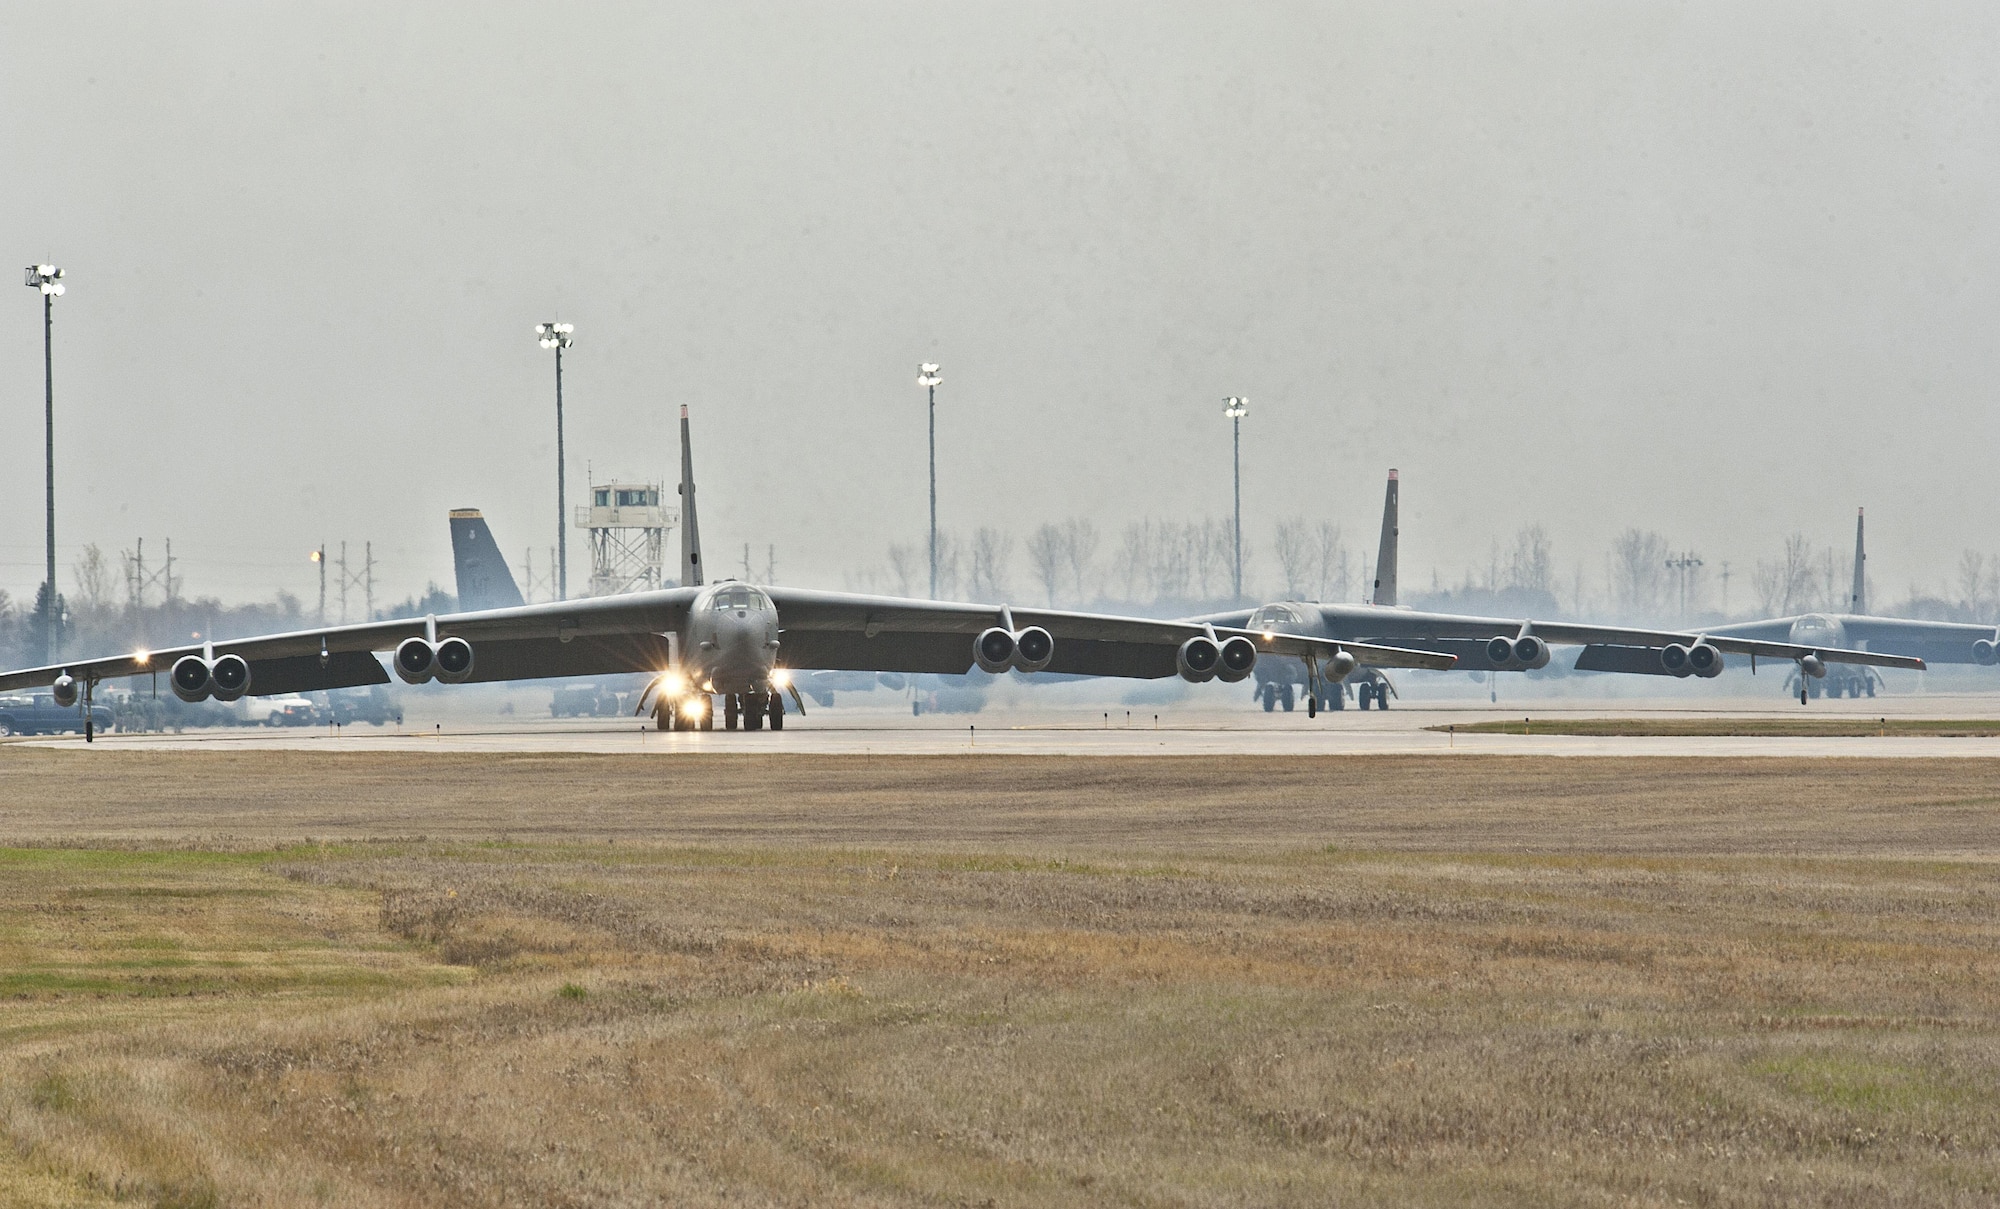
(1236, 408)
(49, 280)
(557, 337)
(928, 378)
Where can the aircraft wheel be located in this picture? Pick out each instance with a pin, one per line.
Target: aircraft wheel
(1381, 697)
(777, 712)
(708, 718)
(663, 719)
(1285, 698)
(730, 709)
(1312, 705)
(1364, 694)
(753, 711)
(916, 709)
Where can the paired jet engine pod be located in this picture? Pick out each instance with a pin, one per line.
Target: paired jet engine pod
(1236, 659)
(1033, 648)
(1694, 659)
(64, 690)
(1986, 652)
(998, 650)
(418, 660)
(1525, 653)
(1198, 659)
(225, 678)
(1704, 660)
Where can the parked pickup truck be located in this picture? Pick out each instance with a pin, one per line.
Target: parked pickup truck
(39, 714)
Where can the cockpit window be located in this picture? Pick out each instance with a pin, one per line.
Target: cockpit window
(741, 598)
(1272, 615)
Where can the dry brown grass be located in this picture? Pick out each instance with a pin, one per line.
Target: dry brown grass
(880, 982)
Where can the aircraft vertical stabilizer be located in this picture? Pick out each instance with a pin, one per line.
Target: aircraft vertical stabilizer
(1858, 604)
(690, 531)
(1385, 558)
(484, 582)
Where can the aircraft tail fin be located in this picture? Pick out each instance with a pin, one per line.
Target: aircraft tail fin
(1385, 557)
(484, 582)
(1858, 604)
(690, 530)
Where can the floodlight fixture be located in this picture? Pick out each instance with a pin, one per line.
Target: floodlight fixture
(927, 375)
(1235, 407)
(555, 335)
(46, 277)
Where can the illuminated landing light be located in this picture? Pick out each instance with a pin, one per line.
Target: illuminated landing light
(142, 656)
(673, 684)
(694, 707)
(780, 677)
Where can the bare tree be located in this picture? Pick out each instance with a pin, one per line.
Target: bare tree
(950, 558)
(1292, 547)
(1972, 582)
(1329, 557)
(904, 562)
(1045, 555)
(990, 553)
(1784, 584)
(1080, 550)
(93, 579)
(1135, 560)
(1638, 572)
(1173, 559)
(1532, 565)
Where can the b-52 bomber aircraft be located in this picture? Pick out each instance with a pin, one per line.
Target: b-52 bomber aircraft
(1935, 641)
(729, 640)
(1521, 644)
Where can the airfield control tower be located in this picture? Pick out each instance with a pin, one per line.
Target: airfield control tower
(628, 537)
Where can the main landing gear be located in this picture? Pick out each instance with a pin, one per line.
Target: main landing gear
(753, 710)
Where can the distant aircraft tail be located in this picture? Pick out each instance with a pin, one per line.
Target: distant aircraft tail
(690, 531)
(484, 582)
(1385, 557)
(1858, 604)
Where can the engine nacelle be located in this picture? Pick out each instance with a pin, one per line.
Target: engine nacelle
(1197, 659)
(1986, 652)
(1033, 648)
(1339, 667)
(1705, 661)
(65, 690)
(994, 650)
(1531, 652)
(1814, 666)
(229, 677)
(453, 660)
(416, 661)
(1236, 659)
(192, 678)
(1674, 660)
(1517, 654)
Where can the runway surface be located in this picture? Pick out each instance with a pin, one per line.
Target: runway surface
(1115, 733)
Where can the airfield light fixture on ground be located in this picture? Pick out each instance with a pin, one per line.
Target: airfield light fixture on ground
(928, 378)
(49, 280)
(558, 337)
(1236, 408)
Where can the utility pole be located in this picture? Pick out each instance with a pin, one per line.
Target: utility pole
(1684, 567)
(1236, 408)
(558, 336)
(928, 378)
(49, 280)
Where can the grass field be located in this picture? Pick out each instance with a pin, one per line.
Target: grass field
(1819, 726)
(290, 979)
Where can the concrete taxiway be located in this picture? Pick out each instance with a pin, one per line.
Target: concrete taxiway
(1113, 733)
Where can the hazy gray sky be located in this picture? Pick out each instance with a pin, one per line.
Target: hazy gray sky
(1721, 270)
